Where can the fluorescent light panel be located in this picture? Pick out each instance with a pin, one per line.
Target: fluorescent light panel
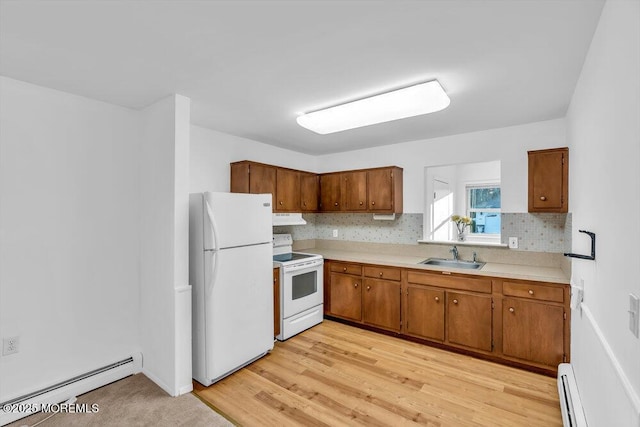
(411, 101)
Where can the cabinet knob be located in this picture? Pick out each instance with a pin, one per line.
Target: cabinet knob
(280, 202)
(361, 203)
(355, 286)
(368, 287)
(455, 301)
(543, 198)
(530, 291)
(512, 310)
(344, 268)
(437, 299)
(373, 203)
(335, 204)
(304, 204)
(381, 274)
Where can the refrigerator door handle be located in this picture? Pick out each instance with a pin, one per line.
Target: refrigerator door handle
(214, 270)
(212, 225)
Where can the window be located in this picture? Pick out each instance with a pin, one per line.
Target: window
(483, 207)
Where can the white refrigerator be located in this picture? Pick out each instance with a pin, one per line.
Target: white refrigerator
(231, 274)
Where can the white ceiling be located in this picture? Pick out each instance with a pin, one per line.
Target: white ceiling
(250, 67)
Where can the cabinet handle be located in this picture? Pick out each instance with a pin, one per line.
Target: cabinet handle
(335, 204)
(381, 274)
(530, 291)
(455, 301)
(512, 310)
(373, 203)
(437, 299)
(368, 288)
(280, 202)
(304, 204)
(344, 268)
(355, 286)
(361, 203)
(543, 198)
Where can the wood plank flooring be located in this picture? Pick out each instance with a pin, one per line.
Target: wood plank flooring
(337, 375)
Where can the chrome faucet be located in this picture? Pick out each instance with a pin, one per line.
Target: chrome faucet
(454, 251)
(475, 257)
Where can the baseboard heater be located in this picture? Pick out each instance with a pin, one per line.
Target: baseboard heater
(72, 387)
(570, 404)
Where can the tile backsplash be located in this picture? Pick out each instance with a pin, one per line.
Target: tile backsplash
(535, 232)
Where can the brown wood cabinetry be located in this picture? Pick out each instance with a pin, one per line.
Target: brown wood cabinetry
(354, 190)
(309, 191)
(384, 190)
(518, 322)
(549, 180)
(255, 178)
(276, 301)
(287, 190)
(469, 320)
(377, 190)
(424, 312)
(330, 192)
(535, 327)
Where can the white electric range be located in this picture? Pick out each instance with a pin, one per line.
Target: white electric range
(301, 287)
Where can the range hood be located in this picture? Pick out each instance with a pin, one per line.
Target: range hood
(288, 219)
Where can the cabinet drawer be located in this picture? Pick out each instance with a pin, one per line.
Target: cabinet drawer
(387, 273)
(451, 282)
(346, 268)
(533, 291)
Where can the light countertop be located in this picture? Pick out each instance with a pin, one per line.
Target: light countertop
(493, 269)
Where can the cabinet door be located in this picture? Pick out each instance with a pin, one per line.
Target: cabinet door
(309, 189)
(354, 191)
(381, 303)
(424, 312)
(288, 190)
(548, 176)
(380, 189)
(346, 296)
(330, 199)
(239, 177)
(469, 320)
(262, 180)
(533, 331)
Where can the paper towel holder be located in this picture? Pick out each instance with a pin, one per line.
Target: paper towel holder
(593, 247)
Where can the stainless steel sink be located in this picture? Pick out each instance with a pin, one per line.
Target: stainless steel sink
(441, 262)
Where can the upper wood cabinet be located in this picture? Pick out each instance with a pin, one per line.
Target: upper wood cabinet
(287, 190)
(309, 191)
(384, 190)
(377, 190)
(549, 180)
(354, 190)
(255, 178)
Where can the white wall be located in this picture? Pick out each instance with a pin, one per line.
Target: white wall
(165, 305)
(603, 126)
(212, 151)
(509, 145)
(69, 242)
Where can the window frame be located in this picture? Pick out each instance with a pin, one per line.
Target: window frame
(493, 237)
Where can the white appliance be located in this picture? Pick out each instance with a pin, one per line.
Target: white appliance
(231, 273)
(301, 287)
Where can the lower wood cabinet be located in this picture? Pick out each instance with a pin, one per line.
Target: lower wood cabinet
(424, 312)
(510, 321)
(381, 303)
(469, 320)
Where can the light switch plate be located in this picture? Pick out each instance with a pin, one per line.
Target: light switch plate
(634, 314)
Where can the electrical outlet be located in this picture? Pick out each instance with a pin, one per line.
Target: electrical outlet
(10, 345)
(513, 243)
(335, 233)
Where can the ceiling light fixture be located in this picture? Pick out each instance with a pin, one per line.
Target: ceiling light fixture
(410, 101)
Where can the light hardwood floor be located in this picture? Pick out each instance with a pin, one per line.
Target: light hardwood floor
(334, 374)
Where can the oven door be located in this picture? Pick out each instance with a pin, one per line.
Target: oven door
(302, 288)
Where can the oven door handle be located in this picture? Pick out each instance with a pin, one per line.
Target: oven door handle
(309, 266)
